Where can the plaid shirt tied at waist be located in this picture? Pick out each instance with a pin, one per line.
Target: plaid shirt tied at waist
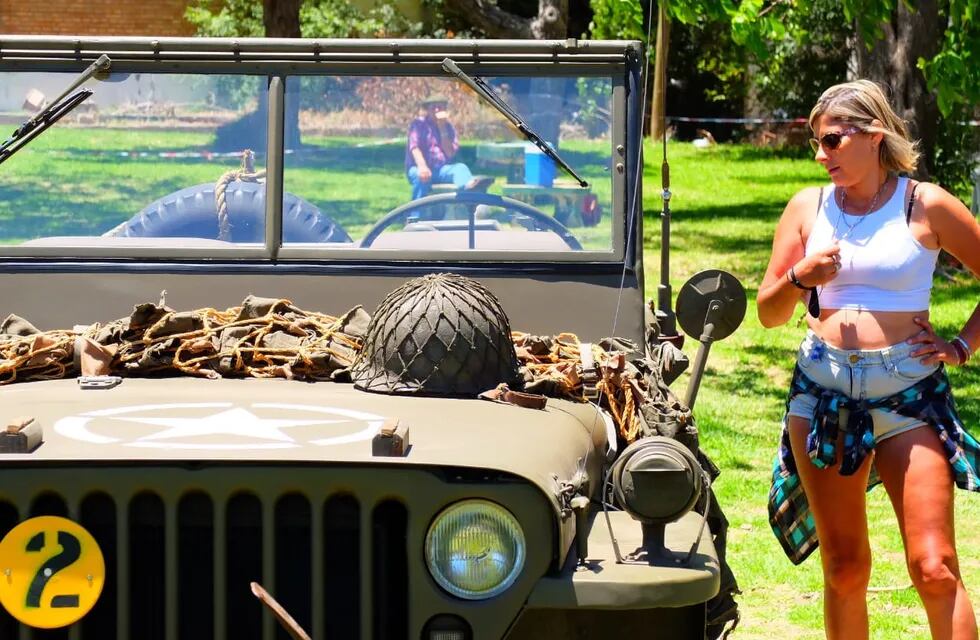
(929, 400)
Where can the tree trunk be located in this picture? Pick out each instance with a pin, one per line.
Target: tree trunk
(892, 63)
(552, 20)
(659, 106)
(281, 18)
(551, 23)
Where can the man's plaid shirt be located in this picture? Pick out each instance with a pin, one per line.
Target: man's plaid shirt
(929, 400)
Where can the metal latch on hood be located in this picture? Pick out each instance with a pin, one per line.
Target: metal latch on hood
(392, 440)
(572, 499)
(21, 435)
(590, 373)
(567, 490)
(98, 382)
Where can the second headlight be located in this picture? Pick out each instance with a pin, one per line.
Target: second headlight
(475, 549)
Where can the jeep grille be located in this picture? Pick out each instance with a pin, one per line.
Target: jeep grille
(179, 561)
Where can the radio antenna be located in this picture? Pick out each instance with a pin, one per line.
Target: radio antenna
(664, 313)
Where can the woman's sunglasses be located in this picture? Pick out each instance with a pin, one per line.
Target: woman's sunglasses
(831, 141)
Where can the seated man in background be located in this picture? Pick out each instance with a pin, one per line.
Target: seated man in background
(432, 145)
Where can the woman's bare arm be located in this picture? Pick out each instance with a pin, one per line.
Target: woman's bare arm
(958, 233)
(777, 295)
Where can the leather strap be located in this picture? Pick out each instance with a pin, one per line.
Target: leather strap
(503, 393)
(908, 212)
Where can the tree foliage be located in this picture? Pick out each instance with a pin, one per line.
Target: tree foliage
(813, 52)
(757, 25)
(617, 19)
(782, 52)
(229, 19)
(785, 52)
(317, 19)
(954, 74)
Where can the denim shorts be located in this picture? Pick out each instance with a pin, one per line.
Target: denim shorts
(861, 374)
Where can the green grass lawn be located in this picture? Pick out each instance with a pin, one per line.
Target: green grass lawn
(726, 202)
(77, 182)
(85, 181)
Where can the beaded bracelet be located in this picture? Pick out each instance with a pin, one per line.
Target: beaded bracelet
(962, 348)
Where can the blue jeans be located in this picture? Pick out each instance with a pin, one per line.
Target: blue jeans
(869, 374)
(456, 173)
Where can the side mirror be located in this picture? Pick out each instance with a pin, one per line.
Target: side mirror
(710, 306)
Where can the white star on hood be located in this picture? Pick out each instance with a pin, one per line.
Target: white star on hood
(237, 422)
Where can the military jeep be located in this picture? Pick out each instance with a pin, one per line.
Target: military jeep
(200, 172)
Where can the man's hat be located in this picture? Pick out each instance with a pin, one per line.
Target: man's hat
(434, 98)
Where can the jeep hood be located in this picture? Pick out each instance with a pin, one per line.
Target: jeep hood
(281, 421)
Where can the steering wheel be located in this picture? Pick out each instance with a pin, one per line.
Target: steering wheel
(542, 221)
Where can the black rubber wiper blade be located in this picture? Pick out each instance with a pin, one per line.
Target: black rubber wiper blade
(59, 108)
(35, 127)
(487, 92)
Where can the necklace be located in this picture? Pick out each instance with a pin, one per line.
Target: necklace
(843, 204)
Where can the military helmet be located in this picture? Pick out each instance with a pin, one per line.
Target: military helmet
(441, 334)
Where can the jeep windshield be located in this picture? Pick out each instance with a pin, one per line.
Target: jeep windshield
(393, 160)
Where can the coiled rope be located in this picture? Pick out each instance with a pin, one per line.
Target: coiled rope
(270, 338)
(245, 173)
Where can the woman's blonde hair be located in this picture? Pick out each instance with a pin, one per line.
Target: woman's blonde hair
(860, 103)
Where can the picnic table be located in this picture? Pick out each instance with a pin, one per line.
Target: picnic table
(574, 205)
(502, 157)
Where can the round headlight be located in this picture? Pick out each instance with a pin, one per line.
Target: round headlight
(475, 549)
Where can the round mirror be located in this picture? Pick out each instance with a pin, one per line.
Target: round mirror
(697, 296)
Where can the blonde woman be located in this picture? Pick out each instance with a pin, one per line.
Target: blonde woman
(869, 390)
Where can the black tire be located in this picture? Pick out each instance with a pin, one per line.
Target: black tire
(191, 213)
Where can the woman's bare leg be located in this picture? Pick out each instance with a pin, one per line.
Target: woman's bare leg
(919, 481)
(838, 505)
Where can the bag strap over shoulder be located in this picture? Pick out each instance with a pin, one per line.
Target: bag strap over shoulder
(908, 211)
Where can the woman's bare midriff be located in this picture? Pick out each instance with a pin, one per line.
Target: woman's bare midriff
(854, 329)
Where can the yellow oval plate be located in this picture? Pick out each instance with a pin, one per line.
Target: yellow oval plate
(51, 572)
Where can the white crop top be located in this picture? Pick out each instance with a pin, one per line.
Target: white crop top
(883, 268)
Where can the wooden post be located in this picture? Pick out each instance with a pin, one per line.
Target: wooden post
(659, 107)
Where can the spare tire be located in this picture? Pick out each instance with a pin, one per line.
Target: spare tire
(191, 213)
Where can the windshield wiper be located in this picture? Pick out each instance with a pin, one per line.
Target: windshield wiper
(487, 92)
(59, 108)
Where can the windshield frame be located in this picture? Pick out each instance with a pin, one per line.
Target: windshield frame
(278, 59)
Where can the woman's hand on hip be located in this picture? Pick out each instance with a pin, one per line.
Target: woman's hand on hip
(934, 349)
